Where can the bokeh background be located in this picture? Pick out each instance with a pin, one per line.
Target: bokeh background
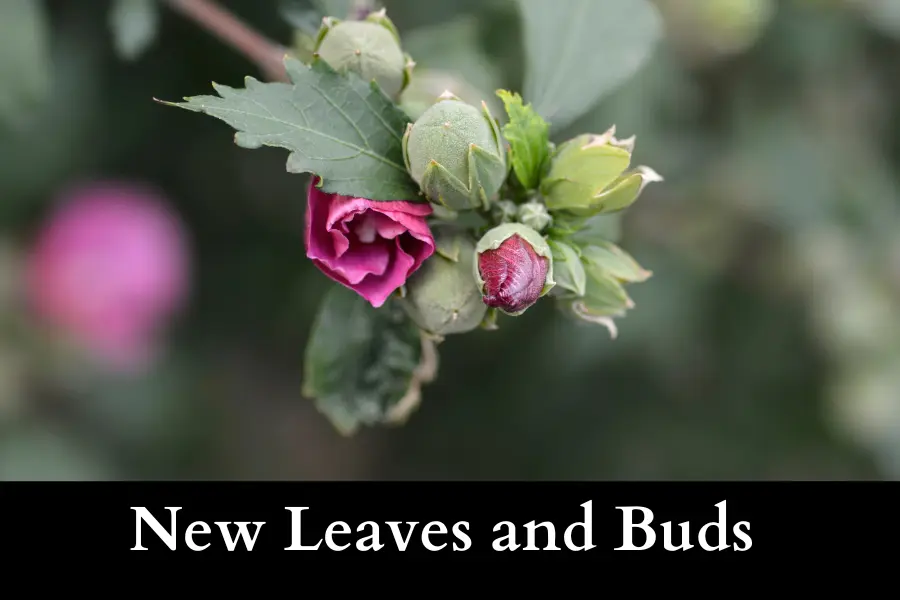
(765, 346)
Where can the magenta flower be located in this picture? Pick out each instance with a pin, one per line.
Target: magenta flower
(109, 268)
(514, 275)
(370, 247)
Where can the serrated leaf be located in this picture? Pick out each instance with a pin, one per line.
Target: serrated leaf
(528, 135)
(363, 365)
(134, 25)
(567, 268)
(615, 261)
(578, 51)
(24, 57)
(346, 131)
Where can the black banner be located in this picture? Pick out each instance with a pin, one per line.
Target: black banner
(438, 522)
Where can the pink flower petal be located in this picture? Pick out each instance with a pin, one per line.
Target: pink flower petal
(377, 289)
(363, 244)
(359, 262)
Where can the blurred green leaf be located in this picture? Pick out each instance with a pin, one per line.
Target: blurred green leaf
(300, 16)
(529, 139)
(35, 453)
(336, 126)
(578, 51)
(362, 364)
(615, 261)
(598, 228)
(134, 25)
(453, 47)
(25, 64)
(884, 15)
(567, 268)
(605, 297)
(50, 143)
(340, 9)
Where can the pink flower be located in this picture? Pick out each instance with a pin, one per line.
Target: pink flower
(514, 275)
(109, 268)
(370, 247)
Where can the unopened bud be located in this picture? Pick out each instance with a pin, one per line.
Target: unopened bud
(535, 215)
(588, 175)
(505, 211)
(456, 153)
(369, 47)
(514, 267)
(441, 297)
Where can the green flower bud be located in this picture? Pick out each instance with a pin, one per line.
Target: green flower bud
(441, 297)
(535, 215)
(369, 47)
(514, 267)
(588, 175)
(505, 211)
(456, 154)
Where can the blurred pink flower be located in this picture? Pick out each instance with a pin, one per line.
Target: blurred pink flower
(109, 268)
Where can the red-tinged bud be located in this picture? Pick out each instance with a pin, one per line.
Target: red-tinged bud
(515, 268)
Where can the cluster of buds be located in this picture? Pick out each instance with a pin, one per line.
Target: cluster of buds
(509, 204)
(462, 162)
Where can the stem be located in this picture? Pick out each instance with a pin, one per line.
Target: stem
(265, 53)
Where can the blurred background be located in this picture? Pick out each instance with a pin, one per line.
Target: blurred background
(765, 346)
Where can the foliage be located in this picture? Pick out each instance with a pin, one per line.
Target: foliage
(762, 347)
(338, 127)
(347, 134)
(24, 61)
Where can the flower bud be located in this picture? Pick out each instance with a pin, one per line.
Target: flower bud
(505, 211)
(514, 267)
(368, 47)
(535, 215)
(441, 297)
(456, 154)
(588, 175)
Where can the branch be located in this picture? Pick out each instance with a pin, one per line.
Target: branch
(265, 53)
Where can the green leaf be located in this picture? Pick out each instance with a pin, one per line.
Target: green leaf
(604, 299)
(134, 25)
(336, 126)
(364, 366)
(25, 67)
(529, 138)
(298, 15)
(567, 268)
(615, 261)
(450, 54)
(884, 15)
(36, 452)
(340, 9)
(445, 242)
(597, 229)
(578, 51)
(604, 295)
